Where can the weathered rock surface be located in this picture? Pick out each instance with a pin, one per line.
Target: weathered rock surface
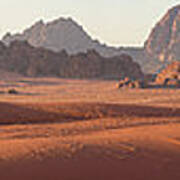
(163, 43)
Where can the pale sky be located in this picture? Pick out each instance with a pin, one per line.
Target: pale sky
(114, 22)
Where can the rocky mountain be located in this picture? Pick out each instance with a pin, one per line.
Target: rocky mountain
(163, 43)
(58, 35)
(66, 34)
(24, 59)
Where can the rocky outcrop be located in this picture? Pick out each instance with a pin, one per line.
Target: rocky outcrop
(22, 58)
(170, 76)
(131, 84)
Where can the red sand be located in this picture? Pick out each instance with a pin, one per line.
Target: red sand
(108, 135)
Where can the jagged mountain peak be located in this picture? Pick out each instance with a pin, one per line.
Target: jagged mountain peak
(62, 33)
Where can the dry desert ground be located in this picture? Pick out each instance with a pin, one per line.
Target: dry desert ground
(56, 129)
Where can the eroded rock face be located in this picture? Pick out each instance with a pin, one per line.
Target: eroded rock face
(164, 41)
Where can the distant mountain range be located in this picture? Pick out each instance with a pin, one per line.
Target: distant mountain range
(66, 34)
(161, 48)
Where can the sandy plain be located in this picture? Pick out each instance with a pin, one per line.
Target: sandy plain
(83, 130)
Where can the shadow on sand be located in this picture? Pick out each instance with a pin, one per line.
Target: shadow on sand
(69, 112)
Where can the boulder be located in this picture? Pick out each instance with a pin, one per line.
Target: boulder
(131, 84)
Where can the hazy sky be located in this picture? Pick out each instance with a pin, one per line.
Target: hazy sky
(115, 22)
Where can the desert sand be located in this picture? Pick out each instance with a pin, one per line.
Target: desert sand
(82, 130)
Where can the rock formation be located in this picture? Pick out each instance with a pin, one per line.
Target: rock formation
(170, 76)
(22, 58)
(163, 43)
(131, 84)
